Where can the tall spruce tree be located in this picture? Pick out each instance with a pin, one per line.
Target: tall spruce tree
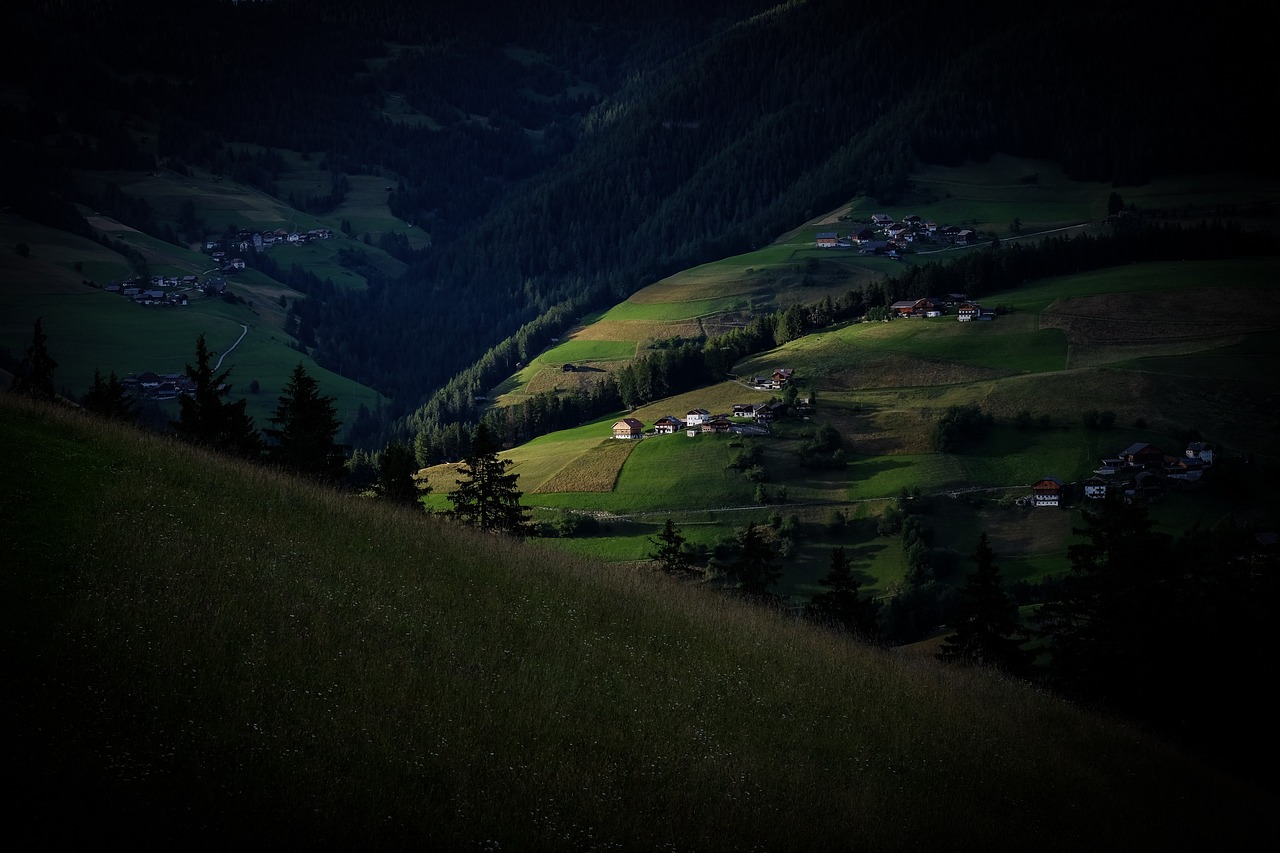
(397, 475)
(35, 374)
(1115, 607)
(306, 424)
(753, 569)
(842, 604)
(672, 552)
(487, 496)
(109, 398)
(985, 619)
(206, 415)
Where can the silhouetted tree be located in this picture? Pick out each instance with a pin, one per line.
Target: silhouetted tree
(35, 374)
(842, 603)
(1109, 622)
(397, 470)
(109, 398)
(206, 416)
(672, 555)
(986, 619)
(306, 424)
(753, 570)
(487, 497)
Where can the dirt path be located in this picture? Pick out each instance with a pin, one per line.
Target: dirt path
(244, 330)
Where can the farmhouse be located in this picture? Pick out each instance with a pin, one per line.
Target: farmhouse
(880, 220)
(1095, 488)
(1141, 454)
(1200, 450)
(696, 417)
(667, 425)
(1050, 491)
(628, 428)
(968, 311)
(827, 240)
(925, 306)
(717, 425)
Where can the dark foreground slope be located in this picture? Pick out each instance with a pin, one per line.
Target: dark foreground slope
(206, 654)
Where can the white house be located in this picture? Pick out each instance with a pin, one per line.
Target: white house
(697, 417)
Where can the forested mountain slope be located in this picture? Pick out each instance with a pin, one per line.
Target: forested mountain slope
(563, 156)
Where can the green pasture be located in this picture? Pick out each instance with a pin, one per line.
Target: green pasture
(1257, 356)
(671, 472)
(577, 350)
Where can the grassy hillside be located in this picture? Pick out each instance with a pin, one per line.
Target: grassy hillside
(1168, 347)
(205, 653)
(61, 280)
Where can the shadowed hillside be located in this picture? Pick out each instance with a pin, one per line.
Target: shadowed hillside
(207, 654)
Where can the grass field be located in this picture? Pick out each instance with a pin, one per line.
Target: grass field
(285, 664)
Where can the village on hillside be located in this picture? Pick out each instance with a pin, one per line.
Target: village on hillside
(177, 291)
(1141, 472)
(746, 418)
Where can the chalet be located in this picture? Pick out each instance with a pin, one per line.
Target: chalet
(783, 375)
(927, 306)
(931, 227)
(968, 311)
(880, 220)
(911, 219)
(717, 425)
(1184, 469)
(696, 417)
(742, 410)
(827, 240)
(897, 231)
(965, 236)
(1050, 491)
(667, 425)
(1140, 455)
(628, 428)
(864, 234)
(1095, 488)
(762, 413)
(1200, 450)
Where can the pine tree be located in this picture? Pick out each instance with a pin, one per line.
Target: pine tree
(207, 417)
(488, 498)
(986, 623)
(397, 473)
(1112, 615)
(306, 424)
(109, 398)
(672, 554)
(843, 603)
(753, 569)
(35, 374)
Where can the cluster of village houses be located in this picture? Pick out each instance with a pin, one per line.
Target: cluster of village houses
(746, 418)
(886, 236)
(177, 290)
(243, 242)
(158, 386)
(1140, 472)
